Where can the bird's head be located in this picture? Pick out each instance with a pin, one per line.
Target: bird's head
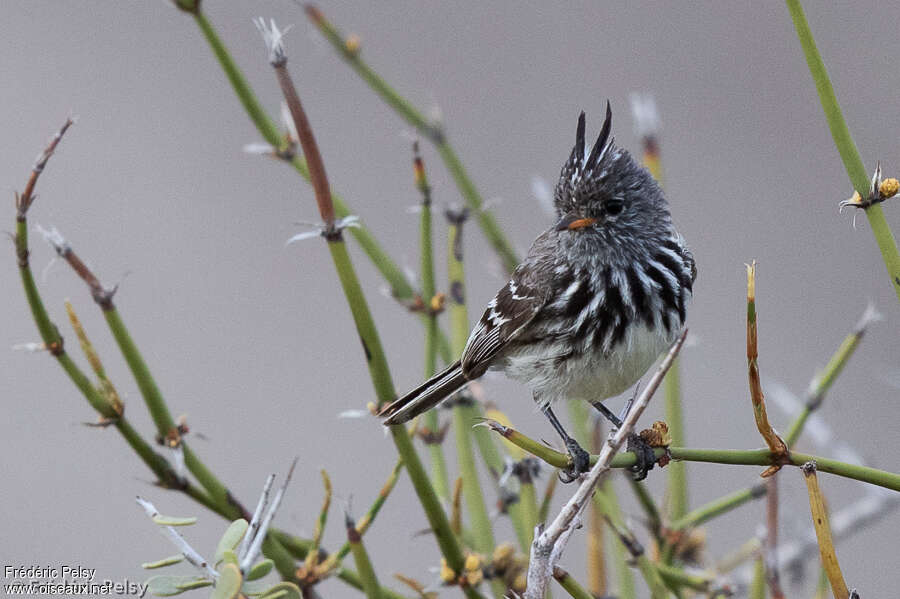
(607, 194)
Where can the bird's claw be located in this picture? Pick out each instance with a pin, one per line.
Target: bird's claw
(581, 462)
(646, 457)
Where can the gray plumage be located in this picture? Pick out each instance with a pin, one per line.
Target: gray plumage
(596, 300)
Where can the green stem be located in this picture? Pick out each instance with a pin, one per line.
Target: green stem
(411, 115)
(529, 512)
(156, 405)
(245, 94)
(758, 584)
(571, 586)
(609, 507)
(353, 579)
(486, 220)
(718, 507)
(580, 419)
(819, 386)
(607, 502)
(212, 498)
(456, 274)
(299, 548)
(544, 509)
(168, 478)
(464, 416)
(440, 526)
(743, 457)
(284, 562)
(518, 516)
(392, 273)
(439, 475)
(459, 334)
(52, 339)
(384, 389)
(363, 564)
(677, 578)
(365, 326)
(853, 164)
(823, 381)
(363, 523)
(654, 519)
(822, 585)
(762, 457)
(159, 411)
(678, 488)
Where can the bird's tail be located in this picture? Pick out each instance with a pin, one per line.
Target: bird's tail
(425, 396)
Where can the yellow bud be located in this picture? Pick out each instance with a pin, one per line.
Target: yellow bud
(473, 562)
(447, 574)
(503, 553)
(855, 199)
(518, 584)
(437, 302)
(353, 43)
(889, 188)
(473, 577)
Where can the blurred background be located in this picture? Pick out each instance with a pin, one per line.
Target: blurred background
(253, 340)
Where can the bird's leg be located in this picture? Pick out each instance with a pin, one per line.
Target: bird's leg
(643, 452)
(581, 460)
(607, 413)
(646, 458)
(629, 402)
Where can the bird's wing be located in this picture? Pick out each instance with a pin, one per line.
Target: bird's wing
(514, 306)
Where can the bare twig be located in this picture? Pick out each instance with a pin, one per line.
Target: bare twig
(101, 294)
(776, 445)
(189, 553)
(256, 543)
(273, 39)
(257, 514)
(549, 544)
(27, 197)
(823, 533)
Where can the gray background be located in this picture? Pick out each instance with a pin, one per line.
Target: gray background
(254, 341)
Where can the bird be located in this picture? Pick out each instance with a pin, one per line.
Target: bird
(599, 296)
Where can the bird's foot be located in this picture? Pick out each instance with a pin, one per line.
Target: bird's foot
(646, 457)
(581, 462)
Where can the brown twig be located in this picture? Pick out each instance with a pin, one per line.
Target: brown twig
(102, 296)
(27, 197)
(317, 175)
(776, 445)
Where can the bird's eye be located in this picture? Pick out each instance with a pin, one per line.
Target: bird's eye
(614, 206)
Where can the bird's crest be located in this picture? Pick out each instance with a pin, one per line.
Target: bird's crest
(577, 169)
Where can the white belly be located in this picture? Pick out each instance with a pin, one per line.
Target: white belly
(591, 375)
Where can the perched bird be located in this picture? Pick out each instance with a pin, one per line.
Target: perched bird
(598, 298)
